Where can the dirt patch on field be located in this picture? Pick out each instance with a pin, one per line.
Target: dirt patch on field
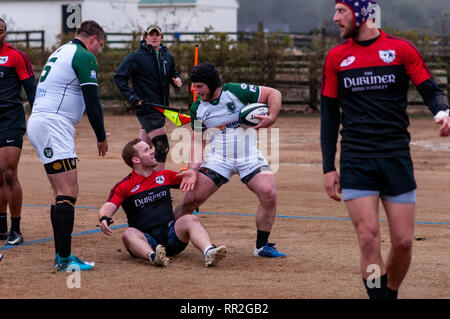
(314, 231)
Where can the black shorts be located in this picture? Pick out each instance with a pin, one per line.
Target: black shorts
(60, 166)
(11, 138)
(219, 180)
(12, 119)
(390, 176)
(165, 235)
(150, 119)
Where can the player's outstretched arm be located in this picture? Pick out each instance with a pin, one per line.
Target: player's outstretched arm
(189, 178)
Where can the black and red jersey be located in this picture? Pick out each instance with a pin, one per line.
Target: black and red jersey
(146, 200)
(15, 66)
(370, 82)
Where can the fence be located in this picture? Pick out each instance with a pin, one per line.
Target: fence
(122, 40)
(292, 75)
(291, 80)
(27, 39)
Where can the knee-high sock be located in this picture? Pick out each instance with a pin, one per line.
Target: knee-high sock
(52, 218)
(64, 215)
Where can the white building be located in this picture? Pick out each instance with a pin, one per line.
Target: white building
(190, 15)
(55, 16)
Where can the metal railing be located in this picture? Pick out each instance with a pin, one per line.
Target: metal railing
(125, 39)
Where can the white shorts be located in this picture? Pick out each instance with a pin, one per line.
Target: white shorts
(52, 136)
(242, 166)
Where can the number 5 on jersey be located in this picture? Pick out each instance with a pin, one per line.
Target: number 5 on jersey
(47, 69)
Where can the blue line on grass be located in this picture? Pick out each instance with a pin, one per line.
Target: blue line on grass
(43, 240)
(97, 230)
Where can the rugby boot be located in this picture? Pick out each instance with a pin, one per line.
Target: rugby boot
(14, 238)
(56, 261)
(159, 257)
(73, 263)
(269, 251)
(214, 255)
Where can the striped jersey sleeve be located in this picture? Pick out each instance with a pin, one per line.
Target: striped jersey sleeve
(119, 192)
(22, 64)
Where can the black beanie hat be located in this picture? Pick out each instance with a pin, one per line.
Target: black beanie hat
(206, 73)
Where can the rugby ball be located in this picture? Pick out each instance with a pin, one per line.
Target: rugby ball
(248, 112)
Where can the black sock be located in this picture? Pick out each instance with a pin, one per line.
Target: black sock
(52, 218)
(3, 223)
(392, 294)
(377, 292)
(15, 224)
(64, 219)
(262, 237)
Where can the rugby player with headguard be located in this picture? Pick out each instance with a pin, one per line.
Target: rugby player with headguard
(215, 116)
(364, 88)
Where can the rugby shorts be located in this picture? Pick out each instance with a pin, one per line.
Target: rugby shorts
(245, 167)
(150, 120)
(388, 176)
(405, 198)
(52, 137)
(12, 118)
(166, 236)
(11, 138)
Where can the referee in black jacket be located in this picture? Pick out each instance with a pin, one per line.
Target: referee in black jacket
(151, 69)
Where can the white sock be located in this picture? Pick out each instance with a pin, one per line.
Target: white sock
(206, 249)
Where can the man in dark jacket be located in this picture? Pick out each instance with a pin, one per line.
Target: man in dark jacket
(151, 69)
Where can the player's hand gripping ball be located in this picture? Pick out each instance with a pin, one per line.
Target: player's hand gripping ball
(248, 112)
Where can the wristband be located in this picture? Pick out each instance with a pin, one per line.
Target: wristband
(108, 220)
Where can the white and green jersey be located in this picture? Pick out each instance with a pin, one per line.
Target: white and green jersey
(59, 88)
(221, 118)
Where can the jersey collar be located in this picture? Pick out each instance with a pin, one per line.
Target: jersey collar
(78, 41)
(136, 175)
(216, 101)
(371, 41)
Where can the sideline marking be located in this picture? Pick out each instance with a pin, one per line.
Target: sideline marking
(97, 230)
